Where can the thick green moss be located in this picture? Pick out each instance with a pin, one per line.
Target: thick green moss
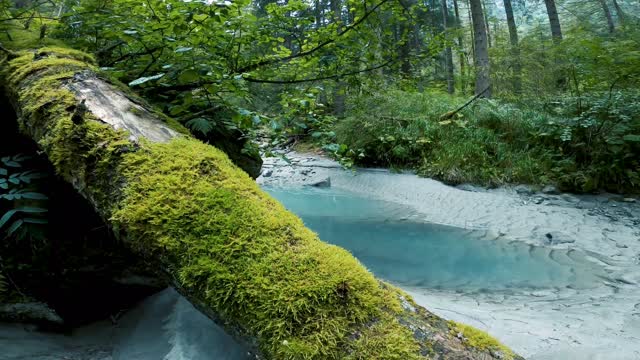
(22, 39)
(480, 340)
(255, 262)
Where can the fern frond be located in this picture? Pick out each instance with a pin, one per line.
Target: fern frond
(200, 124)
(3, 284)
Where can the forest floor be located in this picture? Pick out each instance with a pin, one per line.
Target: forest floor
(601, 322)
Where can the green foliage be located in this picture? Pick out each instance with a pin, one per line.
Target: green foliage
(3, 285)
(199, 56)
(20, 188)
(491, 142)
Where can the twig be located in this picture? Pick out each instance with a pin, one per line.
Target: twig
(451, 114)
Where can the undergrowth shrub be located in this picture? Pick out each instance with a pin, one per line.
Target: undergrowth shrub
(582, 145)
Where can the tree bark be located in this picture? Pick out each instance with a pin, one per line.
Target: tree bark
(607, 14)
(448, 54)
(515, 48)
(461, 51)
(228, 247)
(481, 51)
(554, 20)
(486, 22)
(619, 12)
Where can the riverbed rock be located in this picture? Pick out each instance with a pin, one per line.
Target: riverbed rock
(523, 190)
(550, 190)
(324, 183)
(33, 312)
(557, 237)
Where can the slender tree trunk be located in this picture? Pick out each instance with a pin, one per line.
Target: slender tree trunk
(515, 49)
(318, 14)
(486, 23)
(447, 51)
(473, 37)
(481, 55)
(554, 20)
(339, 92)
(607, 15)
(556, 34)
(460, 46)
(619, 12)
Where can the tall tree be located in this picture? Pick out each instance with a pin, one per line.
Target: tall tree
(607, 15)
(554, 20)
(447, 51)
(515, 50)
(619, 12)
(486, 22)
(481, 50)
(460, 45)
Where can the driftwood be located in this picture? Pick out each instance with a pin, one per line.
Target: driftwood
(233, 251)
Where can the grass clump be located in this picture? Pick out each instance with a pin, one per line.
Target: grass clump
(480, 340)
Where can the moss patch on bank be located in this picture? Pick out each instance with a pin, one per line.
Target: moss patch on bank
(481, 340)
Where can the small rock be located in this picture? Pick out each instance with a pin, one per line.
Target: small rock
(467, 187)
(550, 190)
(629, 200)
(268, 173)
(538, 200)
(570, 198)
(325, 183)
(555, 238)
(621, 246)
(523, 190)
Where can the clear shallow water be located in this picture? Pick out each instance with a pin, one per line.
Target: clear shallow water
(394, 245)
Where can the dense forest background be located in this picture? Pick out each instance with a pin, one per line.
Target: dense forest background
(554, 83)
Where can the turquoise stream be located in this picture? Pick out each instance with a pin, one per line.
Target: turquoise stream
(391, 241)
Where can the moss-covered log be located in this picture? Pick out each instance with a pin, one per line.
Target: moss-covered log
(232, 250)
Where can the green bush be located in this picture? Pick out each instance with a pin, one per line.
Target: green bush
(582, 144)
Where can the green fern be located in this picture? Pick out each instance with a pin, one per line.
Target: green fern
(3, 285)
(201, 125)
(19, 186)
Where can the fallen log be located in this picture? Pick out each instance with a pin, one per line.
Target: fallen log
(228, 247)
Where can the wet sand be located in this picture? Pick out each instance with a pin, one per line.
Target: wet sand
(557, 323)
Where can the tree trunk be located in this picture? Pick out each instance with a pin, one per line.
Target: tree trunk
(619, 12)
(448, 54)
(486, 23)
(473, 37)
(607, 14)
(481, 53)
(554, 20)
(515, 49)
(461, 51)
(233, 251)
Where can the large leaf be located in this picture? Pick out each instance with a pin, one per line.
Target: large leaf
(27, 209)
(188, 76)
(143, 80)
(632, 138)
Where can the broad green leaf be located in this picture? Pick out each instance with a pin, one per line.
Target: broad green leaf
(143, 80)
(188, 76)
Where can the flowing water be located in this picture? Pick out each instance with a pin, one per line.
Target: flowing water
(391, 241)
